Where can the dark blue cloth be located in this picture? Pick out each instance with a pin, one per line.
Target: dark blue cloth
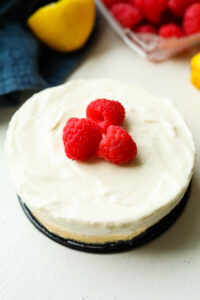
(26, 63)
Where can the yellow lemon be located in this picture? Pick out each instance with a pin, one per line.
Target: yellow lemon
(195, 75)
(64, 25)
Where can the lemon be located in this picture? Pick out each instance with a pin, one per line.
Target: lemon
(195, 75)
(64, 25)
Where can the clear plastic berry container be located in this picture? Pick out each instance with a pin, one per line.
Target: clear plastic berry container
(149, 46)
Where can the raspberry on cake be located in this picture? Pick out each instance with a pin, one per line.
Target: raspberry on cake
(106, 112)
(117, 146)
(97, 202)
(81, 138)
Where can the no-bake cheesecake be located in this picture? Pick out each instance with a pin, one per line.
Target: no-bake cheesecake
(96, 201)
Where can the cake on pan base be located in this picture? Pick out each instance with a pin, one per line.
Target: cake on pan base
(117, 246)
(96, 202)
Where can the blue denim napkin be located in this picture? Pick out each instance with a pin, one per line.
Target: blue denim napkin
(26, 63)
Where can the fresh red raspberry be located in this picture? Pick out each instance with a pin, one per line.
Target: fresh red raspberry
(170, 30)
(178, 7)
(191, 20)
(117, 146)
(106, 112)
(153, 10)
(137, 3)
(81, 138)
(145, 28)
(110, 2)
(126, 14)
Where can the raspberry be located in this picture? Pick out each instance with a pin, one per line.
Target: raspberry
(178, 7)
(105, 113)
(81, 138)
(170, 30)
(126, 14)
(191, 20)
(117, 146)
(137, 3)
(145, 28)
(153, 10)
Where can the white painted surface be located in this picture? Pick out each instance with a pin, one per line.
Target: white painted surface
(34, 267)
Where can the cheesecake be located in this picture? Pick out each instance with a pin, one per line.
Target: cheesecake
(95, 201)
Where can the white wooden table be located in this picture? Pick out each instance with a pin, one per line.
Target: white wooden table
(34, 267)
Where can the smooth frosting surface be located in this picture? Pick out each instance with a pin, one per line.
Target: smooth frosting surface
(97, 198)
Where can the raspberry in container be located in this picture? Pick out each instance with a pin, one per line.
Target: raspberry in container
(154, 29)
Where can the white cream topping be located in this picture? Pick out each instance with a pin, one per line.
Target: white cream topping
(96, 197)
